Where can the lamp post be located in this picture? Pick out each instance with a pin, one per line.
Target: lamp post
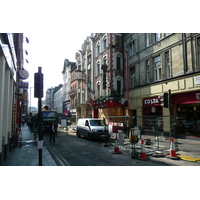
(127, 78)
(30, 98)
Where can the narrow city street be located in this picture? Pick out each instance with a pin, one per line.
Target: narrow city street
(70, 150)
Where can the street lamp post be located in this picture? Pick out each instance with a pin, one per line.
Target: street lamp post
(30, 98)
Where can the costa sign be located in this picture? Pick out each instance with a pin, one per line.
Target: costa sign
(154, 101)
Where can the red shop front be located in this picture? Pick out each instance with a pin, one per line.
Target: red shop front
(151, 106)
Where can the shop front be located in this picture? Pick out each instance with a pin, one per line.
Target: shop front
(188, 112)
(151, 106)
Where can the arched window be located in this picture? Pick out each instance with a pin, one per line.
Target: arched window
(105, 59)
(98, 48)
(104, 42)
(98, 68)
(98, 89)
(118, 85)
(118, 62)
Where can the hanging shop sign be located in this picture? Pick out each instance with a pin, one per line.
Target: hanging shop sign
(23, 74)
(23, 85)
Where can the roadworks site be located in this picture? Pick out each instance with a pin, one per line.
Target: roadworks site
(158, 147)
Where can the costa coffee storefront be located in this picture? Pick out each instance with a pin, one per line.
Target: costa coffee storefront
(151, 106)
(188, 106)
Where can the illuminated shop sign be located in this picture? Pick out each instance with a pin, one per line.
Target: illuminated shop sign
(154, 101)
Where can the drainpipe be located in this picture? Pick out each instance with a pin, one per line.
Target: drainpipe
(192, 50)
(185, 52)
(110, 64)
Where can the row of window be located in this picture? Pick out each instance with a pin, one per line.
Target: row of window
(102, 47)
(157, 67)
(151, 38)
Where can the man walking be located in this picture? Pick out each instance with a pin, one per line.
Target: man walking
(52, 132)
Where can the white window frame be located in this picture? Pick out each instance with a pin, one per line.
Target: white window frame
(98, 85)
(98, 71)
(98, 48)
(156, 37)
(118, 78)
(104, 42)
(132, 48)
(157, 68)
(105, 60)
(121, 61)
(147, 39)
(168, 64)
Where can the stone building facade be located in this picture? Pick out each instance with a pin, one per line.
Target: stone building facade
(164, 63)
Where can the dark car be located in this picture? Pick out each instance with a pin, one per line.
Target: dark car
(187, 127)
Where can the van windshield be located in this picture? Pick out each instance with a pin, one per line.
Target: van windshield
(48, 114)
(97, 123)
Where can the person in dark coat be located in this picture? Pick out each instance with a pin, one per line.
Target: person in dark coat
(52, 132)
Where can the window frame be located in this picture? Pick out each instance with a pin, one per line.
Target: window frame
(132, 77)
(148, 74)
(132, 48)
(157, 68)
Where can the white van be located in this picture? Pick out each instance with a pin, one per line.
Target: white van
(92, 128)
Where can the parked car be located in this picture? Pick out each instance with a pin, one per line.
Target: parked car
(187, 127)
(92, 128)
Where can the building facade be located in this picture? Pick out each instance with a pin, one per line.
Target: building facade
(66, 87)
(100, 76)
(11, 101)
(58, 98)
(164, 63)
(49, 101)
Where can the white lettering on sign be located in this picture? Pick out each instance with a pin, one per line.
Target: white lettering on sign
(151, 101)
(197, 95)
(197, 80)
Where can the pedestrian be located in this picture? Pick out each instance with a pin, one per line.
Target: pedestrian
(52, 132)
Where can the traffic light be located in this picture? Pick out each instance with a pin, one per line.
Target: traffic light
(164, 98)
(38, 85)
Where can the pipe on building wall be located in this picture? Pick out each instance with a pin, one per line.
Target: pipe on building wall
(192, 53)
(185, 52)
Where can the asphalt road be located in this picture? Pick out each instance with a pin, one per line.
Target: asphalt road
(70, 150)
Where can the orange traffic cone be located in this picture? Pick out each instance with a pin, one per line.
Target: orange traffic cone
(143, 155)
(116, 149)
(172, 153)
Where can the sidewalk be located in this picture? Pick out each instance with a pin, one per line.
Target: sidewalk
(28, 154)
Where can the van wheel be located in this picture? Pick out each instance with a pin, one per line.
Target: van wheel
(78, 134)
(89, 137)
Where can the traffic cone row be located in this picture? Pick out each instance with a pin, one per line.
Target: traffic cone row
(116, 149)
(172, 153)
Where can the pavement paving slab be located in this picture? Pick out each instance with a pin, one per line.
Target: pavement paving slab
(28, 154)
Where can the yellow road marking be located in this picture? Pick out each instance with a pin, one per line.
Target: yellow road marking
(189, 158)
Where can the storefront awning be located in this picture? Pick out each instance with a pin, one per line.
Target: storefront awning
(186, 98)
